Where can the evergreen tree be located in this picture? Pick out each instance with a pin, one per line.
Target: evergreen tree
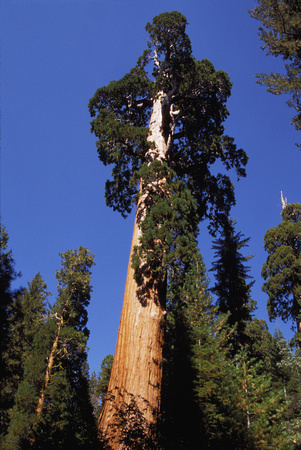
(286, 372)
(282, 270)
(7, 293)
(99, 385)
(281, 20)
(52, 406)
(28, 312)
(254, 409)
(186, 308)
(259, 344)
(210, 336)
(161, 127)
(231, 274)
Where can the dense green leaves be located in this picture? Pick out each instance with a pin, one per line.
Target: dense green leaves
(8, 274)
(282, 270)
(99, 385)
(122, 111)
(170, 226)
(52, 406)
(193, 113)
(231, 286)
(281, 20)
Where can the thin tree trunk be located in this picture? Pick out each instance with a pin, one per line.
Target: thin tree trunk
(134, 395)
(49, 367)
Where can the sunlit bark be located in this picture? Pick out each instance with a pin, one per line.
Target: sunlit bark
(49, 366)
(134, 393)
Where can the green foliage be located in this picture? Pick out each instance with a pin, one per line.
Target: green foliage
(187, 307)
(255, 409)
(282, 270)
(120, 126)
(259, 343)
(170, 227)
(27, 315)
(281, 20)
(286, 371)
(99, 385)
(66, 420)
(194, 110)
(231, 274)
(7, 294)
(172, 49)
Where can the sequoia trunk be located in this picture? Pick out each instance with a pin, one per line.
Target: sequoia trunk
(133, 401)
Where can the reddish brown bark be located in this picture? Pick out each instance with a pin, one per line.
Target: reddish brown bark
(134, 393)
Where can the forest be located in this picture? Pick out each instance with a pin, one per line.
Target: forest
(194, 365)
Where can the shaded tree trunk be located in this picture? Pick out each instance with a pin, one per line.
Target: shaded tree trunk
(134, 395)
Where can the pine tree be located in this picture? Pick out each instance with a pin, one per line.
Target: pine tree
(8, 274)
(231, 274)
(161, 127)
(281, 20)
(282, 270)
(52, 407)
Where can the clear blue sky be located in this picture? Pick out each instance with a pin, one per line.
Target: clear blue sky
(54, 55)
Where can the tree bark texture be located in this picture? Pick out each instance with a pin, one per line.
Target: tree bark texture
(133, 401)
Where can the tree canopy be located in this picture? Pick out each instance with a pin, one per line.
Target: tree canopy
(282, 270)
(281, 30)
(193, 100)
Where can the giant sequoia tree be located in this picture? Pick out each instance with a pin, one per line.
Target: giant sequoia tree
(282, 270)
(161, 128)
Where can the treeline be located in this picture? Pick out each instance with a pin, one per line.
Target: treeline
(44, 384)
(227, 382)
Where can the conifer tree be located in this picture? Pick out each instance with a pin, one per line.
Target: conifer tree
(161, 127)
(28, 313)
(231, 286)
(286, 371)
(280, 33)
(259, 343)
(254, 409)
(52, 407)
(8, 274)
(187, 311)
(99, 384)
(282, 270)
(209, 337)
